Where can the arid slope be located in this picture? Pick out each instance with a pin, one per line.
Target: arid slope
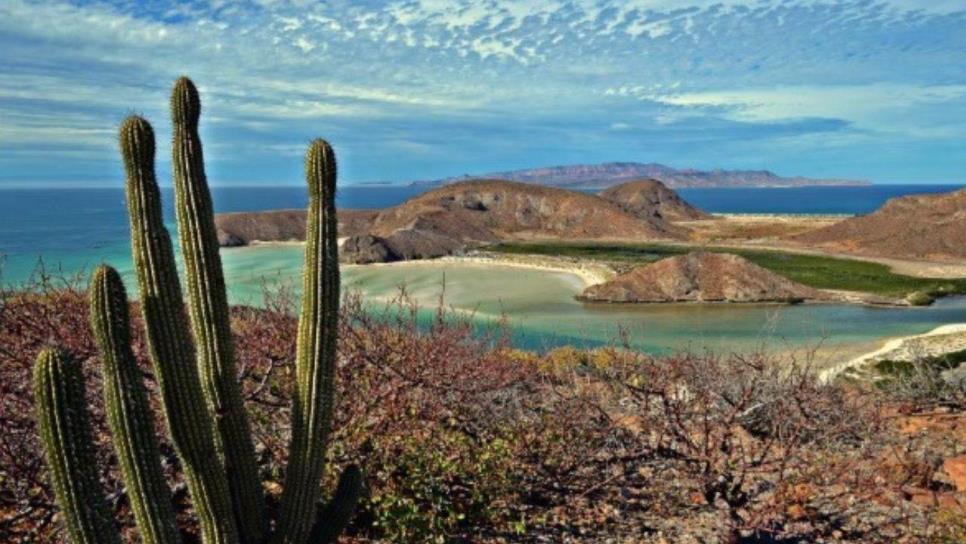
(701, 277)
(649, 198)
(241, 228)
(463, 215)
(931, 227)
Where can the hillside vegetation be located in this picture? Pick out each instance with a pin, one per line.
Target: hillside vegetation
(467, 440)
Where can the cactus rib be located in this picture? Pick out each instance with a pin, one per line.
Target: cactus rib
(128, 412)
(169, 341)
(65, 430)
(315, 350)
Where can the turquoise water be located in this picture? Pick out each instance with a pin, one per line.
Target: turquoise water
(541, 310)
(73, 230)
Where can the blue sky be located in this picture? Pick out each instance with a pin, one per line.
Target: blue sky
(866, 89)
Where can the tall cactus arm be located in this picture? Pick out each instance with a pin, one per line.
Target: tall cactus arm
(68, 444)
(128, 412)
(315, 351)
(208, 302)
(169, 340)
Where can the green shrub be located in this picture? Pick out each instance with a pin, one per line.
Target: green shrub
(433, 493)
(920, 298)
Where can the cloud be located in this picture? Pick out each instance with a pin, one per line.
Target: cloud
(409, 87)
(870, 105)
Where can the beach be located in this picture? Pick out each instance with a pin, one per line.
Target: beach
(939, 341)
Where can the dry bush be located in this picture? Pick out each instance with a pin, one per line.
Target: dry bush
(465, 439)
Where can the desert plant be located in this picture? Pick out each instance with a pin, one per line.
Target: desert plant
(195, 368)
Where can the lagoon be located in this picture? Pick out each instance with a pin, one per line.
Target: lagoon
(541, 312)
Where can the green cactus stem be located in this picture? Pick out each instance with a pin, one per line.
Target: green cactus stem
(208, 302)
(315, 351)
(65, 430)
(169, 340)
(128, 412)
(335, 517)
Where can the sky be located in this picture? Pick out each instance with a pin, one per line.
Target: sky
(423, 89)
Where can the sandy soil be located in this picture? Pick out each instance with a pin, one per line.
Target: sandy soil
(755, 227)
(589, 273)
(944, 339)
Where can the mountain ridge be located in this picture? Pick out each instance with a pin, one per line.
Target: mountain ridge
(604, 175)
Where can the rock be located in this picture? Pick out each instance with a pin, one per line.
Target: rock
(406, 244)
(701, 277)
(366, 249)
(242, 228)
(646, 198)
(955, 469)
(228, 239)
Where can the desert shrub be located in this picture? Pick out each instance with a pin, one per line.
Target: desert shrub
(440, 485)
(925, 382)
(466, 439)
(920, 298)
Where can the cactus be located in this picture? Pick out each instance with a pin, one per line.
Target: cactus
(208, 302)
(169, 340)
(128, 414)
(315, 349)
(65, 430)
(200, 394)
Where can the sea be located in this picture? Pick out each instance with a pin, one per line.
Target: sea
(67, 231)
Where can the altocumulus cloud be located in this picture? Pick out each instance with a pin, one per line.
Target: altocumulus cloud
(405, 90)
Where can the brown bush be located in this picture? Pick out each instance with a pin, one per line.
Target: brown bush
(465, 439)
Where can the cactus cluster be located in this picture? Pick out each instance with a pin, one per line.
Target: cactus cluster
(193, 360)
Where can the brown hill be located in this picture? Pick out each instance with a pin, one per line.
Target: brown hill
(700, 277)
(488, 210)
(646, 198)
(916, 226)
(241, 228)
(449, 219)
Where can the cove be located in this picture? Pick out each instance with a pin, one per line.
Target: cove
(541, 311)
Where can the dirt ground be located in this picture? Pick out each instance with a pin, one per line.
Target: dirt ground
(770, 231)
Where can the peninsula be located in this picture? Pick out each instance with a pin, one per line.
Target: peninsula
(627, 227)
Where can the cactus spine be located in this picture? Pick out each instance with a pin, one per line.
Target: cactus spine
(169, 340)
(208, 302)
(66, 434)
(315, 350)
(201, 398)
(128, 412)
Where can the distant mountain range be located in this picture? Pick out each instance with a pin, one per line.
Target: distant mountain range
(600, 176)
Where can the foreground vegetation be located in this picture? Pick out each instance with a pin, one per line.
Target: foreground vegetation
(465, 439)
(812, 270)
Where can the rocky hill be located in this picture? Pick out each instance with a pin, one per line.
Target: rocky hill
(468, 214)
(613, 173)
(242, 228)
(929, 227)
(700, 277)
(646, 198)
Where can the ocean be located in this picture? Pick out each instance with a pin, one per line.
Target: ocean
(72, 230)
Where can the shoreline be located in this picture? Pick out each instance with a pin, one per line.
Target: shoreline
(588, 271)
(588, 274)
(942, 339)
